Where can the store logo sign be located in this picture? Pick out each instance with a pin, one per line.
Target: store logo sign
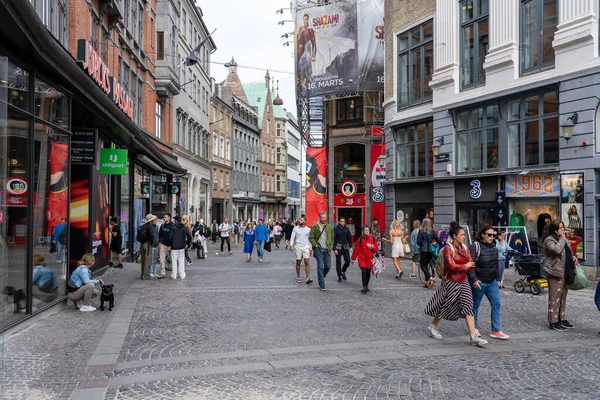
(113, 162)
(91, 63)
(16, 186)
(476, 189)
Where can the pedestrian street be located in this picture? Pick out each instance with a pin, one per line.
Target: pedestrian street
(239, 330)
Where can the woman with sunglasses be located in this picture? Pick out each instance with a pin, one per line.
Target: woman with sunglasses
(486, 278)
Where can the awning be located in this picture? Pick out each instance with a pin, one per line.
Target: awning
(29, 36)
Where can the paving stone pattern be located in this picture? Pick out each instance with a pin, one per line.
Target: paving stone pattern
(238, 330)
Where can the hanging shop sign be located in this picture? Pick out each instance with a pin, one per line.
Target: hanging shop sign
(533, 185)
(145, 187)
(175, 188)
(83, 146)
(572, 211)
(160, 188)
(113, 162)
(377, 131)
(91, 63)
(348, 188)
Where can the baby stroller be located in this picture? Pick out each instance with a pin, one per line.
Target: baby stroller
(531, 267)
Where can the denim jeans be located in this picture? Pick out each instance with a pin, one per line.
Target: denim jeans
(59, 247)
(154, 255)
(323, 264)
(597, 296)
(260, 248)
(491, 291)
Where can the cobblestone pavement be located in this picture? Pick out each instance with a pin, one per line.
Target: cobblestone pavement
(238, 330)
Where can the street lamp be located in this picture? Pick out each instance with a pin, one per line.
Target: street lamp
(437, 144)
(567, 127)
(381, 160)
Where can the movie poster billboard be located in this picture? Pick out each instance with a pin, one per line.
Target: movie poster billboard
(326, 50)
(370, 44)
(58, 199)
(316, 183)
(377, 181)
(571, 211)
(79, 219)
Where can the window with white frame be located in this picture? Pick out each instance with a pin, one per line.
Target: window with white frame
(539, 19)
(215, 156)
(474, 30)
(158, 120)
(228, 151)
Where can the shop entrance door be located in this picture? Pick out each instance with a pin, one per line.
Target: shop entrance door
(354, 219)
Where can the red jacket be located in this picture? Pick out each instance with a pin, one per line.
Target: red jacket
(456, 258)
(363, 253)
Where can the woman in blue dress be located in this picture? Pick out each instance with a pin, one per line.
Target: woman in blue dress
(249, 241)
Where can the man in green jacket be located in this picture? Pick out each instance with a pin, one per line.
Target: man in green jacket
(321, 239)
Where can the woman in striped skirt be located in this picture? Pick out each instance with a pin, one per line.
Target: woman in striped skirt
(454, 299)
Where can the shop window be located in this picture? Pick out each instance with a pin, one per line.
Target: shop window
(415, 64)
(349, 164)
(539, 19)
(477, 137)
(51, 104)
(18, 82)
(414, 155)
(350, 109)
(474, 19)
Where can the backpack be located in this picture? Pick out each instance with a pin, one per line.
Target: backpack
(142, 234)
(62, 238)
(441, 269)
(203, 230)
(236, 229)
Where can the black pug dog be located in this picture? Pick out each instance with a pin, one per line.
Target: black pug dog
(108, 296)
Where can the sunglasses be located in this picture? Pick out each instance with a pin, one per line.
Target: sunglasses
(490, 234)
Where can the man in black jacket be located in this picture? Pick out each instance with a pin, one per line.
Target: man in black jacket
(485, 277)
(287, 232)
(146, 236)
(342, 243)
(180, 239)
(164, 244)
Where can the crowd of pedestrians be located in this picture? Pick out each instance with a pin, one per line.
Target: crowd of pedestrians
(467, 274)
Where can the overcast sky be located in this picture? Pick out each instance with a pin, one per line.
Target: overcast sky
(249, 31)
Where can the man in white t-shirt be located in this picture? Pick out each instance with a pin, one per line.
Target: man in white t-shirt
(225, 231)
(301, 245)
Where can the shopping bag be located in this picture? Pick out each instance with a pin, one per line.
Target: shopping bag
(581, 281)
(268, 246)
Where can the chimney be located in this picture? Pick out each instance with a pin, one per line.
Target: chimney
(267, 79)
(233, 66)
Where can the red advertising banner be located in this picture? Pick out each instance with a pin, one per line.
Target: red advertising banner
(316, 190)
(377, 180)
(58, 197)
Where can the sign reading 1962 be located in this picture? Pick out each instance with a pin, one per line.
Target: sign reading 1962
(530, 185)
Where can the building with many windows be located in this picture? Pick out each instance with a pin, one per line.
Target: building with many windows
(180, 29)
(491, 115)
(245, 192)
(295, 168)
(259, 96)
(280, 159)
(221, 125)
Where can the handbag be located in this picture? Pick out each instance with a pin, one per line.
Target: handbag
(268, 246)
(406, 248)
(581, 281)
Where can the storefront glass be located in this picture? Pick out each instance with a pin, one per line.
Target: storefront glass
(124, 217)
(142, 188)
(349, 164)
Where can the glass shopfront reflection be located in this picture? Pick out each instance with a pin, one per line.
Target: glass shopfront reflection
(34, 176)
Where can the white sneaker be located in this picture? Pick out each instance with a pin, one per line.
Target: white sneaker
(477, 333)
(477, 341)
(190, 263)
(434, 332)
(152, 275)
(87, 308)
